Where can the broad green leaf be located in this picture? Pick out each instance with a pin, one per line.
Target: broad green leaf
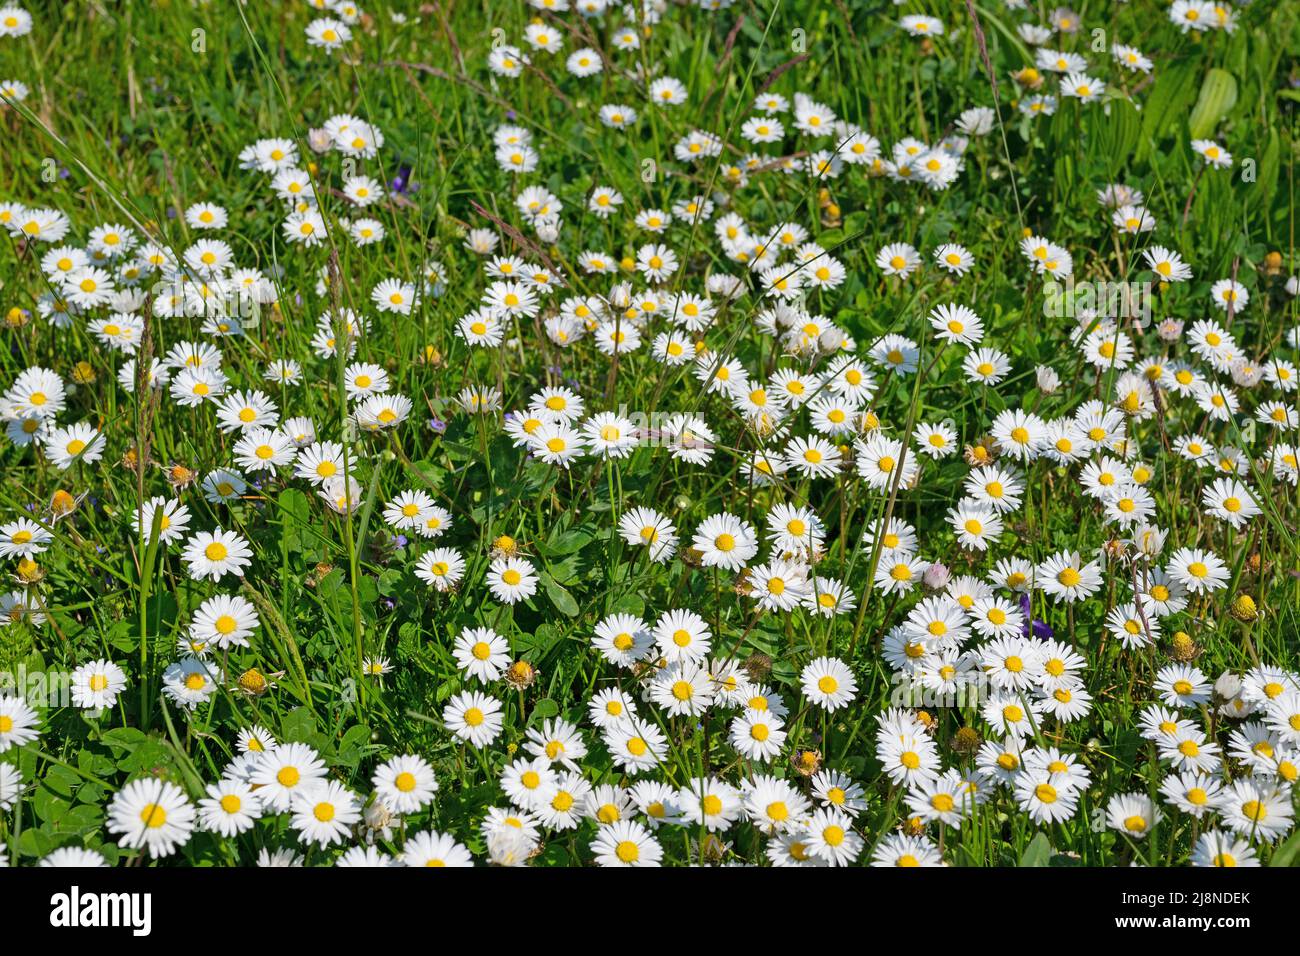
(1218, 97)
(1038, 853)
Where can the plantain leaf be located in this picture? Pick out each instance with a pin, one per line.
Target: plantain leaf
(1038, 853)
(1218, 97)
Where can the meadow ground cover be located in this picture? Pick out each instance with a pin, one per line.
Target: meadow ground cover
(572, 432)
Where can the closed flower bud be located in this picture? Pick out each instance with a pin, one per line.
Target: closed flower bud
(1228, 685)
(1170, 330)
(936, 577)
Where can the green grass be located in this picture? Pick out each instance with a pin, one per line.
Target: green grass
(139, 110)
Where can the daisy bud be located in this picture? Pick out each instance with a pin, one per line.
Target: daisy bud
(377, 816)
(1048, 379)
(548, 229)
(1170, 330)
(1228, 685)
(320, 140)
(509, 848)
(1149, 541)
(936, 577)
